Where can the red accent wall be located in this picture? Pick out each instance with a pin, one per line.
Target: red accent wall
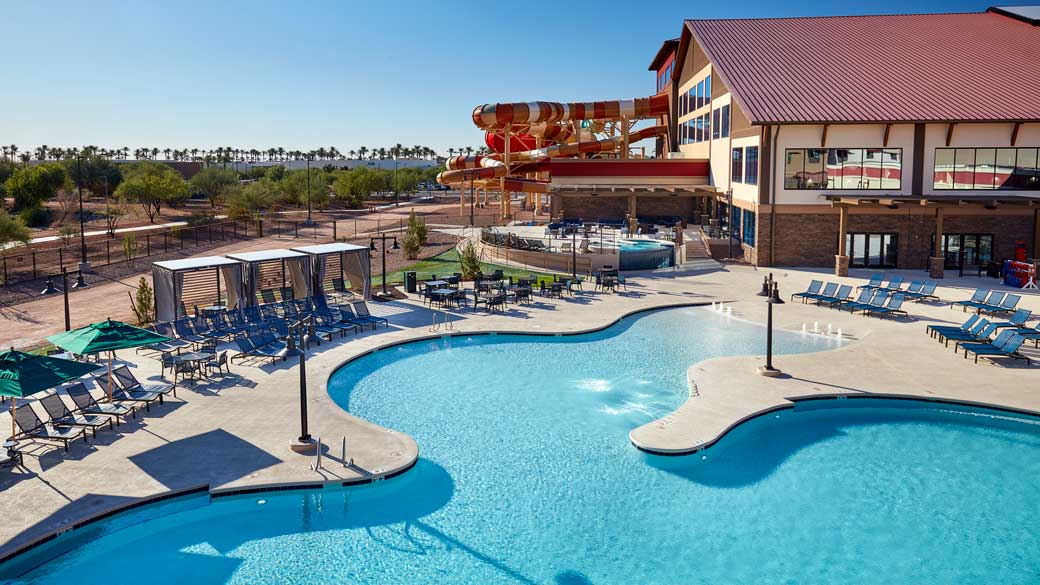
(629, 168)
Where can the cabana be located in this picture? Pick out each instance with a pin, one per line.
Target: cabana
(339, 260)
(195, 281)
(285, 270)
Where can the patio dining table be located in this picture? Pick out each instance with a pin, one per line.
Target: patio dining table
(191, 357)
(442, 295)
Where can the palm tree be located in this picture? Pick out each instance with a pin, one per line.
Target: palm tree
(41, 152)
(166, 153)
(25, 157)
(14, 151)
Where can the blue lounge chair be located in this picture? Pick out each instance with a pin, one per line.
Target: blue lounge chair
(993, 300)
(861, 301)
(981, 332)
(814, 287)
(1006, 305)
(976, 297)
(828, 291)
(894, 284)
(837, 298)
(1017, 319)
(892, 307)
(927, 291)
(185, 331)
(877, 300)
(1009, 348)
(361, 310)
(913, 288)
(934, 330)
(875, 282)
(1032, 333)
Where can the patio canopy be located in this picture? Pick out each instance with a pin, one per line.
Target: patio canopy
(203, 286)
(286, 271)
(339, 260)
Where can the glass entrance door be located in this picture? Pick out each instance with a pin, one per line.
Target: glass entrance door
(871, 250)
(962, 250)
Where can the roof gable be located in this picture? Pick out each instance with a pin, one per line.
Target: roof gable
(895, 68)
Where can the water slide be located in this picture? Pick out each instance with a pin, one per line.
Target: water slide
(540, 131)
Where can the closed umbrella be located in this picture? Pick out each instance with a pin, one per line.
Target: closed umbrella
(107, 336)
(23, 374)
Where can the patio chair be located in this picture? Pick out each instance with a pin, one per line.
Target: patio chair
(894, 284)
(218, 363)
(913, 288)
(1017, 319)
(875, 282)
(267, 296)
(976, 297)
(86, 403)
(927, 291)
(837, 298)
(184, 330)
(933, 330)
(981, 332)
(120, 395)
(261, 345)
(166, 330)
(167, 362)
(362, 312)
(31, 427)
(287, 293)
(1006, 305)
(877, 299)
(862, 300)
(60, 415)
(477, 299)
(814, 288)
(1009, 348)
(892, 307)
(496, 301)
(828, 291)
(126, 380)
(993, 300)
(324, 323)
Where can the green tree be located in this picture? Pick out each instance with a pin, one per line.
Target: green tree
(275, 173)
(293, 188)
(143, 303)
(99, 175)
(214, 182)
(152, 185)
(417, 225)
(31, 186)
(469, 261)
(12, 229)
(250, 200)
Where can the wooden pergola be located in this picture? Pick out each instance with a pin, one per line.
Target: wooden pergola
(939, 203)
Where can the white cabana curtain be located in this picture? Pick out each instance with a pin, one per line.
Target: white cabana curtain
(299, 275)
(356, 267)
(233, 282)
(165, 294)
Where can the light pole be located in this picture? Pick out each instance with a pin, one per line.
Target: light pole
(574, 252)
(372, 246)
(729, 221)
(51, 289)
(397, 194)
(772, 298)
(304, 443)
(83, 264)
(309, 190)
(472, 201)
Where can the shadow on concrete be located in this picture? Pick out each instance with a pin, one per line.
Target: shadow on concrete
(224, 456)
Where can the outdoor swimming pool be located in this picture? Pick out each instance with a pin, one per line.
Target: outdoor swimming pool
(644, 254)
(526, 476)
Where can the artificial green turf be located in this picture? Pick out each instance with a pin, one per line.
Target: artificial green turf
(448, 263)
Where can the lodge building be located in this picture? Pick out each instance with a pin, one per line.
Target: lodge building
(906, 141)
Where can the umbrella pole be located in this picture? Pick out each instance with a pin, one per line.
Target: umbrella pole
(12, 419)
(110, 376)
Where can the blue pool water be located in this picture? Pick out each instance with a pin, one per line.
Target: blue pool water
(526, 476)
(642, 245)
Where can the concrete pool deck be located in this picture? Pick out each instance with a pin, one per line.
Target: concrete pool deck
(233, 434)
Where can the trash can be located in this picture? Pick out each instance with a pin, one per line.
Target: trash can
(409, 281)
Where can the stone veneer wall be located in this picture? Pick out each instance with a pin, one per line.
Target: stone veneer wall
(811, 239)
(594, 208)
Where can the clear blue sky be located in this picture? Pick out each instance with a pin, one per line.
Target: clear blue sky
(340, 73)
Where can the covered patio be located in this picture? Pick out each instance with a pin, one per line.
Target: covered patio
(281, 271)
(348, 263)
(205, 281)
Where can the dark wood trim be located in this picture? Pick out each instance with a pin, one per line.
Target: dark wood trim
(1014, 133)
(949, 132)
(823, 137)
(765, 153)
(884, 140)
(917, 174)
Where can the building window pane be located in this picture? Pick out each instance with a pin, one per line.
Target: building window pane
(700, 95)
(707, 125)
(725, 121)
(735, 221)
(707, 90)
(985, 158)
(1027, 175)
(794, 169)
(964, 168)
(873, 160)
(715, 123)
(737, 169)
(892, 169)
(942, 177)
(851, 168)
(814, 161)
(751, 165)
(1004, 168)
(749, 228)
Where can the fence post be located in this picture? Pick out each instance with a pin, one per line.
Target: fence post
(34, 263)
(147, 245)
(61, 257)
(296, 229)
(165, 242)
(108, 251)
(196, 230)
(209, 232)
(5, 275)
(333, 230)
(234, 230)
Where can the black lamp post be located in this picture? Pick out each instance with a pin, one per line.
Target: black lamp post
(772, 298)
(83, 264)
(304, 443)
(51, 289)
(729, 221)
(308, 190)
(397, 193)
(574, 253)
(372, 246)
(472, 201)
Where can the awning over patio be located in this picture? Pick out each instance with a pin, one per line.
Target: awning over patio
(287, 271)
(339, 260)
(168, 278)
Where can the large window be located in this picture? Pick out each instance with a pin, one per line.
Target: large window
(843, 168)
(737, 166)
(966, 249)
(871, 250)
(751, 165)
(715, 123)
(749, 228)
(725, 120)
(735, 221)
(986, 168)
(664, 76)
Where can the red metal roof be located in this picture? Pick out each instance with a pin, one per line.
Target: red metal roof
(629, 168)
(913, 67)
(667, 49)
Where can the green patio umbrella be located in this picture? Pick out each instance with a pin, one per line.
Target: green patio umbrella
(23, 374)
(107, 336)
